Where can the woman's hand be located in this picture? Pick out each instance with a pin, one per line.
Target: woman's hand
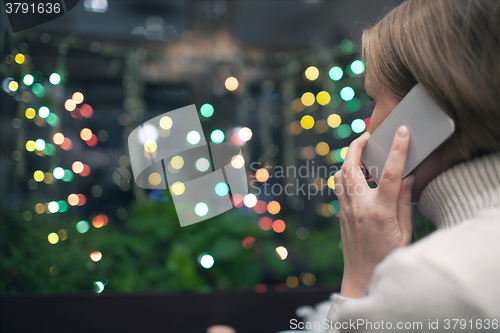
(373, 222)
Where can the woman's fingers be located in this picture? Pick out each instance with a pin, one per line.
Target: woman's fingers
(390, 180)
(352, 165)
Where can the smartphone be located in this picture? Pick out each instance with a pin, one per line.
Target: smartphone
(428, 124)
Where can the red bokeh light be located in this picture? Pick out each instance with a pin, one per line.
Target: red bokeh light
(260, 207)
(100, 221)
(81, 200)
(92, 142)
(86, 171)
(86, 111)
(265, 223)
(67, 144)
(237, 200)
(279, 226)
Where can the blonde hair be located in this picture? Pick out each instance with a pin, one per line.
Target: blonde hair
(451, 47)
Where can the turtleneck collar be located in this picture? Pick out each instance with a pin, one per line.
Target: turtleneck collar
(462, 191)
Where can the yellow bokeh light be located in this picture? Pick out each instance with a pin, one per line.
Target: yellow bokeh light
(39, 208)
(38, 176)
(343, 152)
(77, 167)
(331, 183)
(323, 98)
(86, 134)
(311, 73)
(150, 146)
(77, 97)
(13, 85)
(308, 99)
(237, 161)
(178, 188)
(334, 120)
(231, 83)
(308, 279)
(297, 105)
(30, 113)
(154, 178)
(322, 148)
(295, 127)
(53, 238)
(63, 234)
(19, 58)
(177, 162)
(307, 122)
(166, 123)
(58, 138)
(292, 281)
(70, 105)
(73, 199)
(30, 145)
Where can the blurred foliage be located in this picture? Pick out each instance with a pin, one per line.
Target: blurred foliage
(149, 250)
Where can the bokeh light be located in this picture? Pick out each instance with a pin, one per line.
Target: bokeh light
(43, 112)
(82, 226)
(154, 178)
(281, 252)
(334, 120)
(178, 188)
(202, 164)
(221, 189)
(279, 226)
(262, 175)
(53, 238)
(201, 209)
(85, 134)
(58, 173)
(58, 138)
(323, 98)
(331, 182)
(265, 223)
(19, 58)
(307, 99)
(96, 256)
(336, 73)
(193, 137)
(54, 78)
(77, 167)
(357, 67)
(347, 93)
(250, 200)
(28, 79)
(322, 148)
(307, 122)
(13, 85)
(77, 97)
(38, 176)
(273, 207)
(166, 122)
(217, 136)
(358, 125)
(39, 144)
(53, 207)
(177, 162)
(311, 73)
(231, 83)
(237, 161)
(150, 146)
(245, 134)
(207, 261)
(70, 105)
(207, 110)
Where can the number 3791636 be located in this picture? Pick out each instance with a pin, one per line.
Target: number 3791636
(40, 8)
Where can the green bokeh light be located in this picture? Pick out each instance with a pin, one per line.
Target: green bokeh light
(52, 119)
(50, 150)
(357, 67)
(55, 78)
(217, 136)
(342, 132)
(336, 73)
(63, 206)
(347, 93)
(82, 226)
(221, 189)
(68, 176)
(207, 110)
(358, 125)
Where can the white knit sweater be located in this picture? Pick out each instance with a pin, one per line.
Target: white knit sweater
(454, 273)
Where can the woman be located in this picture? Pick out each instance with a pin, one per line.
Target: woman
(451, 47)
